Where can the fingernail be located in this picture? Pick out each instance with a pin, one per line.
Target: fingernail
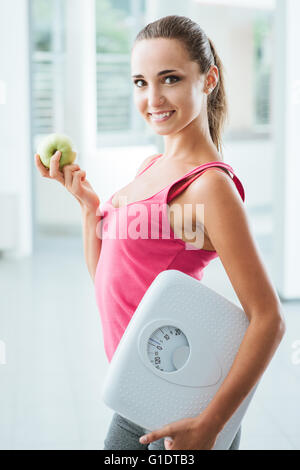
(143, 439)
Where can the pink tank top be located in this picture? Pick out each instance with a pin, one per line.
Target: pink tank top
(137, 244)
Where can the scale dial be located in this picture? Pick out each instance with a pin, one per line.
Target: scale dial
(168, 348)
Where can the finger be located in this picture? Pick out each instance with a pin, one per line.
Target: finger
(54, 165)
(42, 169)
(78, 177)
(68, 171)
(70, 167)
(155, 435)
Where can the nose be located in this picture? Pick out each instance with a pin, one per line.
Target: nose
(154, 98)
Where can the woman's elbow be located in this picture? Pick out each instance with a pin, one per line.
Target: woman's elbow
(282, 327)
(281, 321)
(274, 321)
(280, 324)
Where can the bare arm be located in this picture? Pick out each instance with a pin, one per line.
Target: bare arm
(227, 226)
(91, 241)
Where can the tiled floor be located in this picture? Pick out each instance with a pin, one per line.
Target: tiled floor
(55, 362)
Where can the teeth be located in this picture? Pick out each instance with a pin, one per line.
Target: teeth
(161, 116)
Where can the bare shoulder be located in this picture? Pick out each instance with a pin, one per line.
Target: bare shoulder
(230, 232)
(145, 163)
(218, 194)
(214, 184)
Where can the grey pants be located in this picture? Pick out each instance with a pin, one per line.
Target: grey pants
(124, 435)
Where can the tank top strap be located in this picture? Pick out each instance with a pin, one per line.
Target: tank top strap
(197, 172)
(148, 166)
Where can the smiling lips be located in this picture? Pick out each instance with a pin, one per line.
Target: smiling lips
(161, 112)
(162, 116)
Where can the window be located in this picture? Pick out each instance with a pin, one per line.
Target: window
(262, 30)
(117, 23)
(47, 71)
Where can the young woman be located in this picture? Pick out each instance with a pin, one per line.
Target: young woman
(179, 90)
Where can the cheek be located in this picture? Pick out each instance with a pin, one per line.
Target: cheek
(192, 101)
(188, 98)
(188, 105)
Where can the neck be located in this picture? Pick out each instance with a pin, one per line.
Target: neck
(192, 144)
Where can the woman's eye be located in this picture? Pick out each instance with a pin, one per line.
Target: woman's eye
(136, 82)
(173, 76)
(165, 78)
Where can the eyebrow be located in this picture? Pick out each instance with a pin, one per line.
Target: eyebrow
(163, 72)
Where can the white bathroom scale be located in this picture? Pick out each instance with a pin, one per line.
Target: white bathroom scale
(174, 355)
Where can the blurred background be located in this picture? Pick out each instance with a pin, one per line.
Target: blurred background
(65, 67)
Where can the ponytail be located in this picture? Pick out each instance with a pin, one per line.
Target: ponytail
(217, 108)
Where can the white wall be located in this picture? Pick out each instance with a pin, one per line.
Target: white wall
(15, 131)
(230, 29)
(286, 98)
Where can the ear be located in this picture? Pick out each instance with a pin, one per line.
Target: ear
(212, 77)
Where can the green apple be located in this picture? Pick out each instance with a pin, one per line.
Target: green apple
(49, 146)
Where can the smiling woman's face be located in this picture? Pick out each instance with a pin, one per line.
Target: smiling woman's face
(180, 90)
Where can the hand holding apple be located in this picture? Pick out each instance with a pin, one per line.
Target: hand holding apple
(72, 177)
(53, 143)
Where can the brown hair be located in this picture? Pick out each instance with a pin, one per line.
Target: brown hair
(201, 50)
